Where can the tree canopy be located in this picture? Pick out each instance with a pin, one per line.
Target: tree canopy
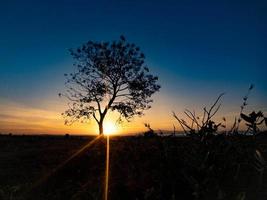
(108, 76)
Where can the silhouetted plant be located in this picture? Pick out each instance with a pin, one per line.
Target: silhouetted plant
(235, 128)
(220, 154)
(108, 77)
(201, 127)
(253, 120)
(150, 132)
(207, 126)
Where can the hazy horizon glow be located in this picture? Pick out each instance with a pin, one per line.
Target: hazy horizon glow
(198, 50)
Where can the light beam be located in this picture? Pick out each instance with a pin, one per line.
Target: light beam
(107, 169)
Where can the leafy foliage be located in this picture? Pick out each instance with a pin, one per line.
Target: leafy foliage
(253, 120)
(109, 76)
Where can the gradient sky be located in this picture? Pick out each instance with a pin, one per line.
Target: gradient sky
(197, 48)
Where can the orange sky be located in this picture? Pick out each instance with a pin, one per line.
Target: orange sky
(46, 119)
(19, 118)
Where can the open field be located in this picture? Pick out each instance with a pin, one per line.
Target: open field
(38, 167)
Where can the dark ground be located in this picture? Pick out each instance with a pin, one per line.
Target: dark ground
(140, 168)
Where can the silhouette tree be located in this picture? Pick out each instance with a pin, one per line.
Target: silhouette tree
(108, 77)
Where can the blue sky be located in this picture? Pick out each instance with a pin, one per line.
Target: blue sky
(197, 48)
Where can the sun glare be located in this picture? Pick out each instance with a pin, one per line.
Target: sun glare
(110, 128)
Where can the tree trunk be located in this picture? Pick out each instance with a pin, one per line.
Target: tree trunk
(100, 126)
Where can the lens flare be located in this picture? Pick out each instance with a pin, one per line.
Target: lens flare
(110, 128)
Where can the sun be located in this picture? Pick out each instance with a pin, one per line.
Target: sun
(110, 128)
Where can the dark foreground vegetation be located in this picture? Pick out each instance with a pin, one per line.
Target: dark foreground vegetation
(210, 161)
(221, 167)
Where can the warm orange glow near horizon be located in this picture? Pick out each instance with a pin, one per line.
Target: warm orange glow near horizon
(110, 128)
(45, 118)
